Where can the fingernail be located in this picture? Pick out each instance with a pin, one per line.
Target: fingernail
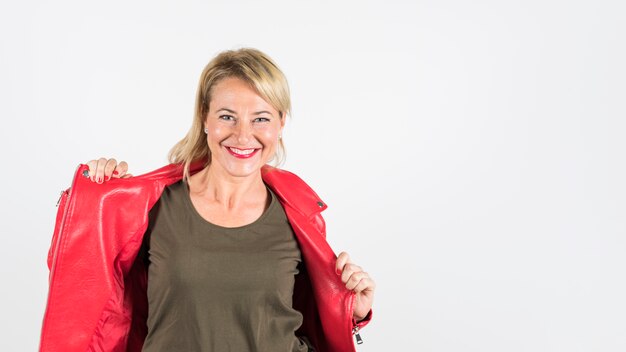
(107, 178)
(338, 271)
(115, 172)
(99, 180)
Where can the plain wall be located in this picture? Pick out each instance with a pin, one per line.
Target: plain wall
(471, 152)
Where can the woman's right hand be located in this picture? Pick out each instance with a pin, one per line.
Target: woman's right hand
(103, 169)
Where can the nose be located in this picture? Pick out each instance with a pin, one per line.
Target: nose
(243, 132)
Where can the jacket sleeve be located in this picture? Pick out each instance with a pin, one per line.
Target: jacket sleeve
(362, 323)
(320, 225)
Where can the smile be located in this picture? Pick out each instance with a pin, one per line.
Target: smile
(242, 153)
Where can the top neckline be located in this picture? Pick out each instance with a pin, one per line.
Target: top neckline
(194, 211)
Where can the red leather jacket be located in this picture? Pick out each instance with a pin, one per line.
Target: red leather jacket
(97, 290)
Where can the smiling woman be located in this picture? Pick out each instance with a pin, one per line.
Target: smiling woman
(252, 81)
(231, 253)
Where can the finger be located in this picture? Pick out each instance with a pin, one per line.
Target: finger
(108, 168)
(127, 176)
(366, 284)
(120, 170)
(355, 279)
(100, 170)
(342, 260)
(92, 169)
(348, 270)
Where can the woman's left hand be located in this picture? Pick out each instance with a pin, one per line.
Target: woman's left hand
(358, 281)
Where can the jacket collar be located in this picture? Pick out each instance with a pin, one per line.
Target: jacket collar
(293, 191)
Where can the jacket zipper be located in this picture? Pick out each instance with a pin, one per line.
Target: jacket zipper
(355, 332)
(59, 236)
(355, 327)
(57, 230)
(63, 192)
(64, 198)
(67, 193)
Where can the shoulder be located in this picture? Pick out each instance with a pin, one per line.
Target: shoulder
(175, 192)
(172, 195)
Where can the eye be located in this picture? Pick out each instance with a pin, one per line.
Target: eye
(227, 117)
(261, 119)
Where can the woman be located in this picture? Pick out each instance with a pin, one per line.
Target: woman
(227, 244)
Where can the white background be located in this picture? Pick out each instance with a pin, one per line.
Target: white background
(471, 152)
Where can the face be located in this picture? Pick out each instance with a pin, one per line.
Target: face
(243, 129)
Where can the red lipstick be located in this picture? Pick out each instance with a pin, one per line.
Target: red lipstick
(242, 156)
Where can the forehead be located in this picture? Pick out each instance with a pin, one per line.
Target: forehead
(235, 93)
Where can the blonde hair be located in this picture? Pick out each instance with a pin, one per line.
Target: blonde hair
(249, 65)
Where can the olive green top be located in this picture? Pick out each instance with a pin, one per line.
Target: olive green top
(213, 288)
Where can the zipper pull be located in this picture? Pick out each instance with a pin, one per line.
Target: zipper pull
(355, 332)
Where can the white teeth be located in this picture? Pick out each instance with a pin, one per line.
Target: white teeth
(242, 151)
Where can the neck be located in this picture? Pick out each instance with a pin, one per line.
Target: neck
(227, 190)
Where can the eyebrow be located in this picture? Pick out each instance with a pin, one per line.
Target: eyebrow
(256, 113)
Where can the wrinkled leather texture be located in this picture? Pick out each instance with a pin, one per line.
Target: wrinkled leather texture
(97, 290)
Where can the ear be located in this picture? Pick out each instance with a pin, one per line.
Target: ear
(204, 122)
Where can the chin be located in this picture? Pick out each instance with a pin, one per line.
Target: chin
(241, 167)
(243, 170)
